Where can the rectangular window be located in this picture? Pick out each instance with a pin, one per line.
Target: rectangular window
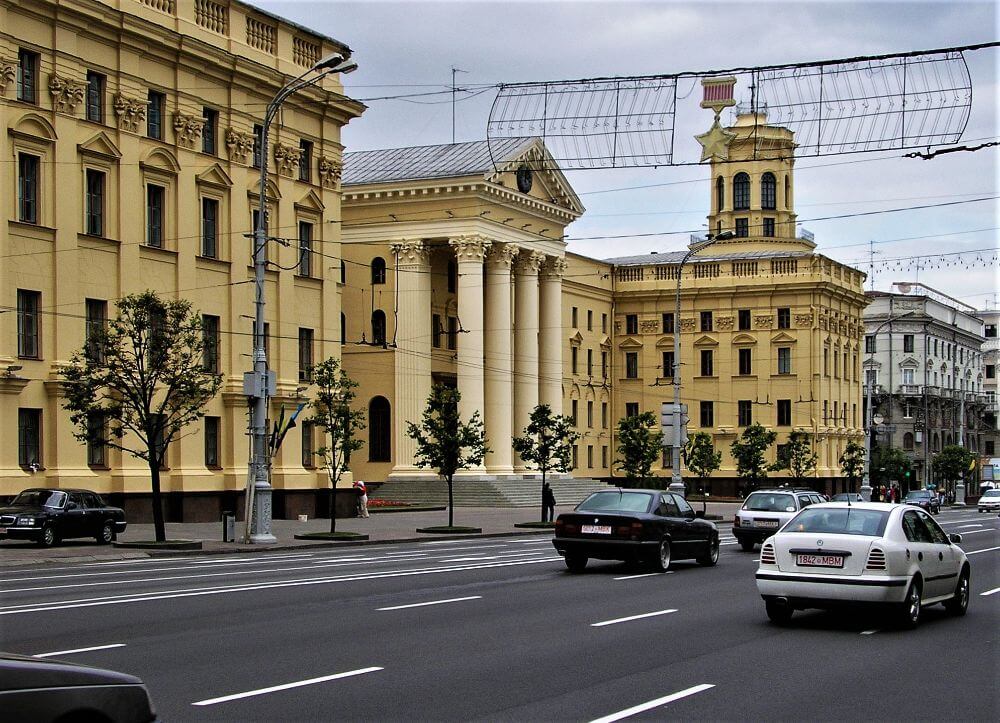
(576, 456)
(305, 354)
(870, 344)
(27, 76)
(305, 160)
(668, 324)
(29, 440)
(209, 228)
(94, 203)
(94, 326)
(305, 248)
(908, 375)
(27, 187)
(258, 140)
(784, 318)
(707, 416)
(745, 361)
(210, 131)
(308, 451)
(631, 323)
(590, 414)
(212, 425)
(29, 322)
(96, 440)
(604, 365)
(154, 115)
(604, 455)
(604, 415)
(631, 365)
(991, 371)
(826, 411)
(743, 319)
(452, 333)
(631, 409)
(836, 365)
(706, 362)
(908, 343)
(990, 332)
(590, 456)
(604, 323)
(768, 228)
(155, 196)
(706, 321)
(573, 314)
(744, 412)
(784, 360)
(95, 97)
(574, 410)
(573, 354)
(989, 447)
(742, 227)
(590, 319)
(668, 364)
(436, 330)
(590, 362)
(826, 362)
(784, 412)
(211, 339)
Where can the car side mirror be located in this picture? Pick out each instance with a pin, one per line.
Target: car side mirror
(699, 514)
(955, 537)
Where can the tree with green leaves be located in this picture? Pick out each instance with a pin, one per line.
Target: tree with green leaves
(749, 452)
(340, 424)
(797, 456)
(852, 462)
(952, 463)
(444, 442)
(888, 465)
(700, 457)
(140, 379)
(640, 443)
(547, 443)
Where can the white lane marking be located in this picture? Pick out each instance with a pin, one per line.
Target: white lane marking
(988, 549)
(472, 559)
(78, 650)
(644, 574)
(254, 561)
(433, 602)
(286, 686)
(727, 543)
(633, 617)
(870, 632)
(990, 592)
(962, 527)
(653, 703)
(977, 532)
(960, 521)
(198, 592)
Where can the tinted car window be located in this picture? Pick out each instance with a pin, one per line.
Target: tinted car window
(682, 505)
(870, 523)
(936, 533)
(916, 495)
(40, 498)
(914, 529)
(612, 501)
(92, 501)
(670, 505)
(76, 498)
(805, 500)
(768, 502)
(991, 493)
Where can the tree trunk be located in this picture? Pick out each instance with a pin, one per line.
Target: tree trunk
(333, 507)
(543, 495)
(451, 504)
(154, 473)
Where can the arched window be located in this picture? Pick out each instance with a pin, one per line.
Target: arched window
(768, 191)
(452, 277)
(936, 442)
(720, 194)
(908, 440)
(343, 272)
(378, 327)
(343, 328)
(379, 429)
(741, 192)
(378, 270)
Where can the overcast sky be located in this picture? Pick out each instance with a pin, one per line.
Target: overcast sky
(410, 47)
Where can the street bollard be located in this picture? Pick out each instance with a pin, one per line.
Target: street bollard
(228, 526)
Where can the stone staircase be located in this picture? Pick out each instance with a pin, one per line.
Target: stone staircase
(486, 493)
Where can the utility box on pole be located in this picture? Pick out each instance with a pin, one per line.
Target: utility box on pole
(668, 419)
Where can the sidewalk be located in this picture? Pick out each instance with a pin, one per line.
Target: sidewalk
(381, 527)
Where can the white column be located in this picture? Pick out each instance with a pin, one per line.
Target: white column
(413, 347)
(498, 373)
(550, 334)
(470, 250)
(525, 340)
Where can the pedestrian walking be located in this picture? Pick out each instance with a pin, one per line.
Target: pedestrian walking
(362, 498)
(548, 503)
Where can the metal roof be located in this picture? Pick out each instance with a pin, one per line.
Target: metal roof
(675, 257)
(419, 162)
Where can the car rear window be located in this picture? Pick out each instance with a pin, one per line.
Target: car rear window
(768, 502)
(917, 495)
(612, 501)
(840, 521)
(991, 493)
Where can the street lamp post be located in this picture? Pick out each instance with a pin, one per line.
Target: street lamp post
(260, 383)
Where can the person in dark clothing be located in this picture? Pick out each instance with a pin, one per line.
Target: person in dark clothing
(548, 503)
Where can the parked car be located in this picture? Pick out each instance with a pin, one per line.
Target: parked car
(924, 499)
(989, 501)
(869, 553)
(48, 516)
(847, 497)
(765, 511)
(635, 525)
(41, 690)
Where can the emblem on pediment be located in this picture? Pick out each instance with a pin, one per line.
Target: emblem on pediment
(188, 128)
(66, 94)
(239, 145)
(130, 112)
(330, 172)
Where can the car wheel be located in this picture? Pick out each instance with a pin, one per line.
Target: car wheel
(747, 545)
(712, 556)
(48, 537)
(576, 563)
(958, 604)
(777, 612)
(908, 615)
(107, 534)
(662, 560)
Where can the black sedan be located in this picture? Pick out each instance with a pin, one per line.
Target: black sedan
(923, 498)
(49, 690)
(635, 525)
(48, 516)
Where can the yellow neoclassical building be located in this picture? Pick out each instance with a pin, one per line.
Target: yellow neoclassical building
(131, 163)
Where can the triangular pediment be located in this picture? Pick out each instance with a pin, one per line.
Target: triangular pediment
(871, 364)
(706, 340)
(744, 339)
(549, 184)
(630, 344)
(100, 145)
(605, 342)
(665, 341)
(783, 338)
(311, 201)
(576, 338)
(215, 175)
(909, 362)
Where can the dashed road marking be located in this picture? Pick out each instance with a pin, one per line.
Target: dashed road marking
(644, 574)
(633, 617)
(79, 650)
(286, 686)
(653, 703)
(432, 602)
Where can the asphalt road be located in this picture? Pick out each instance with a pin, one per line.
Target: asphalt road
(496, 629)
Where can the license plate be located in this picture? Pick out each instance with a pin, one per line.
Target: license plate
(596, 529)
(766, 523)
(3, 530)
(819, 560)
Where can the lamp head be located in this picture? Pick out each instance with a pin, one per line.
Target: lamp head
(724, 236)
(336, 63)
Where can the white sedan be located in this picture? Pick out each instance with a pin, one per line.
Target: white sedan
(836, 554)
(989, 501)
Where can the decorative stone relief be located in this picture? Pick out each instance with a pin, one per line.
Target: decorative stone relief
(529, 262)
(130, 112)
(687, 324)
(824, 322)
(470, 248)
(649, 327)
(618, 327)
(554, 268)
(803, 320)
(329, 172)
(763, 322)
(410, 252)
(66, 94)
(724, 323)
(503, 255)
(188, 128)
(239, 145)
(286, 159)
(8, 73)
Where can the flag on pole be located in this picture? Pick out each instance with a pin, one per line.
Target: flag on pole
(281, 429)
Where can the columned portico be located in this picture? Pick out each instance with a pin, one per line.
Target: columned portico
(498, 358)
(470, 252)
(550, 334)
(525, 340)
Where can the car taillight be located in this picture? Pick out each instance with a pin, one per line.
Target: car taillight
(767, 555)
(736, 521)
(636, 530)
(876, 559)
(560, 526)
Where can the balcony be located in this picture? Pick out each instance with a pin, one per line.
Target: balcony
(910, 390)
(873, 388)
